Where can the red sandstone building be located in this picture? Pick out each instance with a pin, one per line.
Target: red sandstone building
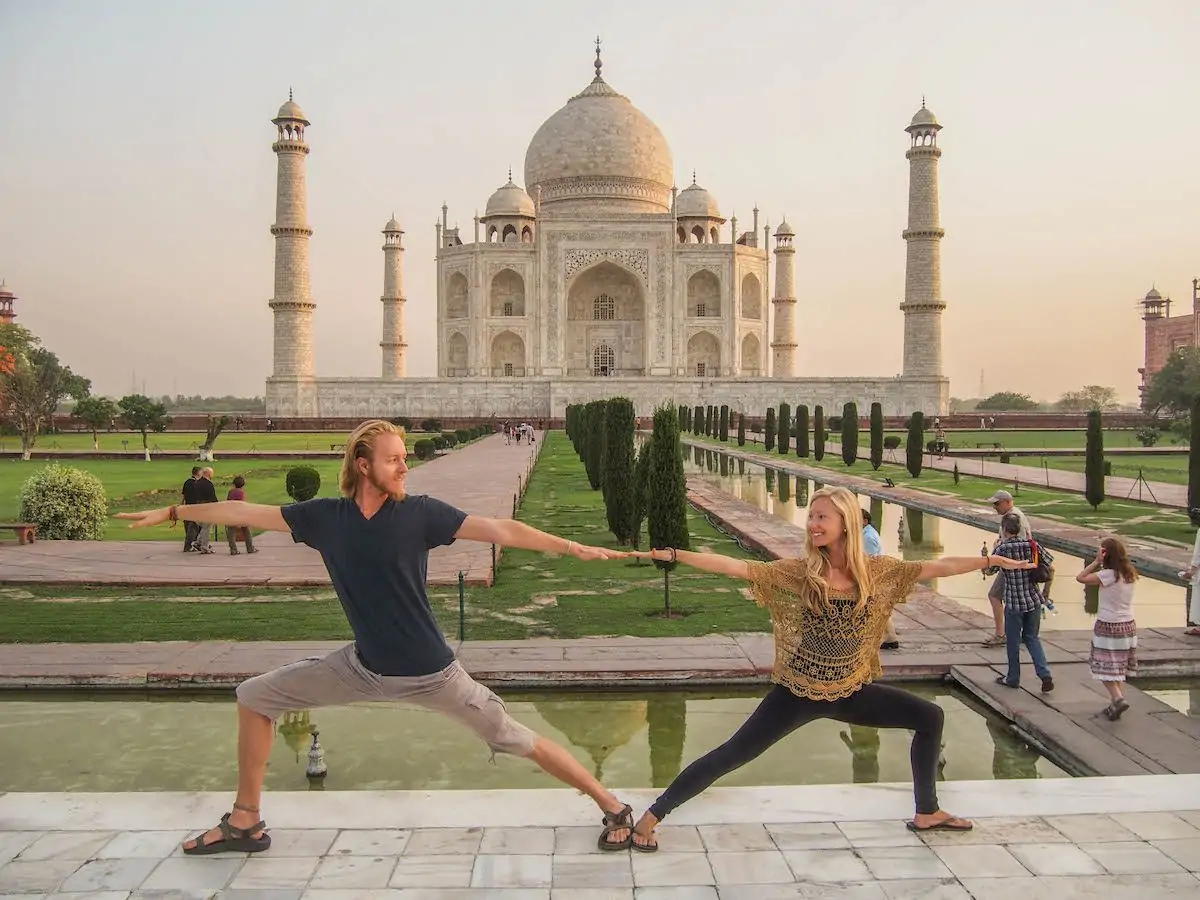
(1165, 334)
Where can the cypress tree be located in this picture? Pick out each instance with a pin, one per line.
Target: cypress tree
(802, 431)
(641, 474)
(784, 428)
(593, 442)
(708, 421)
(1093, 466)
(667, 493)
(876, 435)
(850, 434)
(724, 431)
(913, 449)
(684, 422)
(741, 429)
(1193, 496)
(769, 430)
(698, 420)
(618, 467)
(818, 432)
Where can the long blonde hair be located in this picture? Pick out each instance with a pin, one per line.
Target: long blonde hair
(359, 446)
(813, 589)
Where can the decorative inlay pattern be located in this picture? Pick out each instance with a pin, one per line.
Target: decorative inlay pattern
(576, 259)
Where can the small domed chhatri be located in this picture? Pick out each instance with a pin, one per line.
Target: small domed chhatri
(924, 118)
(291, 110)
(598, 278)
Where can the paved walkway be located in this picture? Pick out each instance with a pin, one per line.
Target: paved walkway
(1057, 839)
(481, 478)
(1152, 558)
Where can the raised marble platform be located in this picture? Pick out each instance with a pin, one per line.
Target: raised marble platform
(1058, 839)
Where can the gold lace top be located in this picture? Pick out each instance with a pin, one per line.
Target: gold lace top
(829, 655)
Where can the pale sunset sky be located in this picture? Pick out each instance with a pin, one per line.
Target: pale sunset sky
(137, 182)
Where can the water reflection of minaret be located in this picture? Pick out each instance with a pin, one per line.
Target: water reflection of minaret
(921, 537)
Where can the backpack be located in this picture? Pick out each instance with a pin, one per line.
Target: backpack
(1044, 563)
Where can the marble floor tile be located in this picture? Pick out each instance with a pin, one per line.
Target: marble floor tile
(447, 841)
(1161, 826)
(255, 894)
(1191, 816)
(887, 863)
(827, 865)
(1090, 829)
(879, 834)
(455, 894)
(980, 861)
(683, 892)
(573, 893)
(1185, 851)
(511, 871)
(37, 875)
(664, 869)
(1083, 887)
(353, 872)
(381, 842)
(192, 874)
(609, 870)
(808, 836)
(735, 838)
(301, 841)
(143, 845)
(110, 875)
(13, 842)
(271, 873)
(517, 840)
(925, 889)
(1055, 859)
(680, 839)
(433, 871)
(807, 890)
(571, 840)
(85, 895)
(1027, 830)
(1129, 858)
(759, 867)
(78, 845)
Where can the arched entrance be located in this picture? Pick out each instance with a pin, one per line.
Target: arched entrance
(606, 308)
(457, 306)
(456, 355)
(751, 356)
(703, 355)
(703, 294)
(507, 356)
(506, 294)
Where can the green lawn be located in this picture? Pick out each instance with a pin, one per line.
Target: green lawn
(1120, 516)
(1025, 439)
(119, 441)
(1170, 469)
(535, 594)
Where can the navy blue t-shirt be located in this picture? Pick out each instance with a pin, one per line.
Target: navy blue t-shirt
(378, 567)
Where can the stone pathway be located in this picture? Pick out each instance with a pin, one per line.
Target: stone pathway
(1055, 839)
(1151, 558)
(481, 478)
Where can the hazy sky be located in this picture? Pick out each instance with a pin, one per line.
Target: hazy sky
(137, 180)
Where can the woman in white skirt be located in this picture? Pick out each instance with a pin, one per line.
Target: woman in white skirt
(1192, 574)
(1114, 637)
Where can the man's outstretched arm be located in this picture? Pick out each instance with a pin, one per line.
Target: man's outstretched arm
(224, 512)
(511, 533)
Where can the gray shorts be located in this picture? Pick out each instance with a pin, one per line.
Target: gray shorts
(340, 678)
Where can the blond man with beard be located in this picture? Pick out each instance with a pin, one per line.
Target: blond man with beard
(375, 541)
(828, 610)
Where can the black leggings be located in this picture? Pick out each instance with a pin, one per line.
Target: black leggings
(782, 712)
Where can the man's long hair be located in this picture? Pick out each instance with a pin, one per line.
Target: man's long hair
(360, 445)
(813, 589)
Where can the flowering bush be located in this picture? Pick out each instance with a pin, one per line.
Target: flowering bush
(66, 504)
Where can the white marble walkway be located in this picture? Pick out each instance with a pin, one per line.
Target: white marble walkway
(1057, 839)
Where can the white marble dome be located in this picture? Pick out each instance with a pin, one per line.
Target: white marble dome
(392, 226)
(923, 118)
(510, 200)
(291, 110)
(600, 149)
(694, 201)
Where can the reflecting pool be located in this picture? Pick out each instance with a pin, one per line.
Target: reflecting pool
(119, 742)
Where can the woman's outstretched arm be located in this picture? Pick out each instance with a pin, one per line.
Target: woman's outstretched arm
(705, 562)
(960, 565)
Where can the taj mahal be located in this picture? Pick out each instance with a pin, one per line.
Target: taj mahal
(599, 278)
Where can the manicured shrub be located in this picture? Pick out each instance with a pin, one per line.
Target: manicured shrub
(431, 425)
(667, 492)
(741, 429)
(303, 483)
(891, 442)
(1193, 495)
(723, 431)
(593, 442)
(769, 430)
(66, 504)
(464, 435)
(451, 439)
(1093, 465)
(784, 429)
(439, 442)
(914, 452)
(641, 498)
(619, 425)
(877, 435)
(423, 448)
(698, 420)
(850, 434)
(818, 433)
(801, 430)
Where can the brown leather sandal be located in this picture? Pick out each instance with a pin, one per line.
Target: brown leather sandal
(615, 822)
(233, 840)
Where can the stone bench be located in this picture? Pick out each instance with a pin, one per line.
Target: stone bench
(26, 532)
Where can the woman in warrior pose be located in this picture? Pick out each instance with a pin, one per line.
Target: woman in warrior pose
(828, 610)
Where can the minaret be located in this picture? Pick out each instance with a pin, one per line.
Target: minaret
(783, 338)
(393, 302)
(292, 304)
(923, 304)
(6, 303)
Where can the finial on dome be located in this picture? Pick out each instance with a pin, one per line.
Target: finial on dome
(598, 64)
(693, 176)
(510, 181)
(922, 101)
(289, 93)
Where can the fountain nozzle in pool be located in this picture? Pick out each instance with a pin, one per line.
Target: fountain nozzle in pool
(316, 759)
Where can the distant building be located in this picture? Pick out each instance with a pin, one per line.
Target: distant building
(1166, 334)
(6, 304)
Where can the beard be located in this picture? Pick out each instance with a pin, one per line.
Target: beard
(391, 490)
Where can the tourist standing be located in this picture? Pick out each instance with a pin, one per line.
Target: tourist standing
(375, 541)
(1002, 503)
(874, 547)
(238, 492)
(1022, 606)
(206, 492)
(1114, 636)
(188, 494)
(827, 611)
(1192, 573)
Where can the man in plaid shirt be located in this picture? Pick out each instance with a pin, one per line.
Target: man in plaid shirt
(1022, 607)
